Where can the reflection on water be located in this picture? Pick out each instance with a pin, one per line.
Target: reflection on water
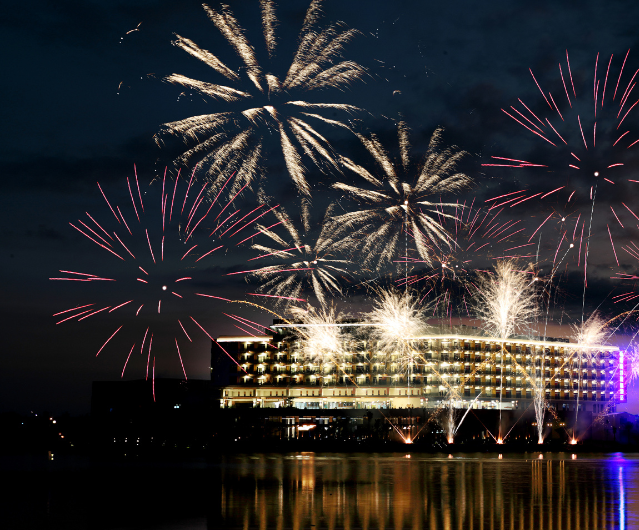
(471, 491)
(324, 491)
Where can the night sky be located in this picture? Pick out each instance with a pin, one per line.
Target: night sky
(83, 100)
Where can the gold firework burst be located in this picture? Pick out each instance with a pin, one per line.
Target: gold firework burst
(587, 334)
(399, 202)
(506, 300)
(322, 338)
(397, 321)
(234, 140)
(304, 261)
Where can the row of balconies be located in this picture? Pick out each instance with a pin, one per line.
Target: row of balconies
(508, 362)
(494, 349)
(418, 369)
(488, 384)
(471, 391)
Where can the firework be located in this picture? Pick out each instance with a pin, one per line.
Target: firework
(587, 334)
(304, 262)
(590, 333)
(632, 358)
(397, 320)
(235, 139)
(399, 202)
(451, 414)
(322, 339)
(505, 300)
(591, 144)
(628, 296)
(478, 235)
(158, 251)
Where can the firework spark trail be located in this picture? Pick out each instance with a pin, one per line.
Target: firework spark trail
(465, 414)
(153, 380)
(235, 139)
(146, 235)
(455, 391)
(592, 210)
(400, 199)
(127, 360)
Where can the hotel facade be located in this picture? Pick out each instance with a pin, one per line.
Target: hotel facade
(478, 371)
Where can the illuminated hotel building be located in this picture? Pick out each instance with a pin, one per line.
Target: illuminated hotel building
(272, 371)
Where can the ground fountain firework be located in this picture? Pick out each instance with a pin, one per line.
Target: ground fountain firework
(587, 334)
(505, 301)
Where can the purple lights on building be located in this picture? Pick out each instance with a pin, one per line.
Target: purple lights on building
(623, 396)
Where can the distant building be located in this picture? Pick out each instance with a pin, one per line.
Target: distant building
(272, 371)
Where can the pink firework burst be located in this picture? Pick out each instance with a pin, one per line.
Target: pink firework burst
(158, 249)
(628, 281)
(583, 121)
(479, 234)
(590, 127)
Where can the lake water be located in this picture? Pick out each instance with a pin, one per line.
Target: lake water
(321, 490)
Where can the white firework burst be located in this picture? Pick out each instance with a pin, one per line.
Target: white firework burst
(305, 262)
(234, 140)
(400, 202)
(397, 321)
(322, 339)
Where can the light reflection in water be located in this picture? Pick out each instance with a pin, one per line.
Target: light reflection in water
(622, 502)
(380, 491)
